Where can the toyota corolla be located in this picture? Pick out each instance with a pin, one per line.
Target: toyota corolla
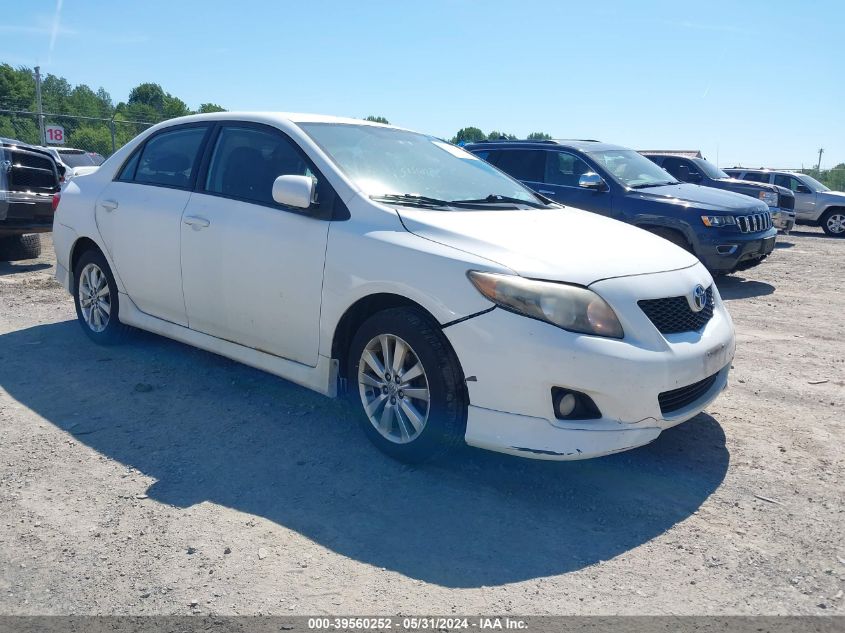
(445, 299)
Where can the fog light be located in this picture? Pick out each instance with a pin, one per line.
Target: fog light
(573, 405)
(566, 405)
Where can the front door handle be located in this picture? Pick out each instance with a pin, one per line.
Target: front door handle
(546, 193)
(109, 205)
(196, 221)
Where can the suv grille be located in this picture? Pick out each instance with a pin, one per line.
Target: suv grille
(677, 399)
(673, 314)
(754, 223)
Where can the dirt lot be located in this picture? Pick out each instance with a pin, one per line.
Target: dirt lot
(156, 478)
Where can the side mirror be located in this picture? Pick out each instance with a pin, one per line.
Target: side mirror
(591, 180)
(294, 191)
(802, 189)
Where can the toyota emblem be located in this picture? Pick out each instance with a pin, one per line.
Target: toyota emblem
(699, 298)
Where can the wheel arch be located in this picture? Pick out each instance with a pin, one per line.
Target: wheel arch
(80, 246)
(360, 311)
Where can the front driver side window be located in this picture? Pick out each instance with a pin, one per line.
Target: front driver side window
(564, 169)
(246, 161)
(790, 182)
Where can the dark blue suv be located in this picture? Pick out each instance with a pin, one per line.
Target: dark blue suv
(726, 231)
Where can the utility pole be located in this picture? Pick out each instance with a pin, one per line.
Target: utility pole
(819, 165)
(42, 140)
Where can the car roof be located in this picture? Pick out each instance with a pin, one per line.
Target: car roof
(271, 117)
(584, 145)
(765, 170)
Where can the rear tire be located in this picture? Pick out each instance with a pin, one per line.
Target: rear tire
(833, 222)
(410, 428)
(96, 299)
(18, 247)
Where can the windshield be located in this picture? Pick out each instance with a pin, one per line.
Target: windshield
(387, 162)
(710, 169)
(632, 169)
(813, 184)
(74, 159)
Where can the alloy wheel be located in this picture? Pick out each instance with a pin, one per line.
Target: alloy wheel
(836, 223)
(94, 297)
(394, 388)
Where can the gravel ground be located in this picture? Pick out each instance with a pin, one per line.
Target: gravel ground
(154, 478)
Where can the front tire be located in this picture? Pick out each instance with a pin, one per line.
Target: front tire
(408, 386)
(96, 299)
(833, 222)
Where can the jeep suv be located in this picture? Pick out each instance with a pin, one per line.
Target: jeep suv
(29, 179)
(814, 203)
(725, 230)
(700, 171)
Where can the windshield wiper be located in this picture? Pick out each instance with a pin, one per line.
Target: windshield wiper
(495, 198)
(411, 199)
(655, 184)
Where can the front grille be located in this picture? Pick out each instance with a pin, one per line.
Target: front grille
(30, 171)
(754, 223)
(673, 314)
(671, 401)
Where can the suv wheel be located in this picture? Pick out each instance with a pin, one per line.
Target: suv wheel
(833, 222)
(96, 299)
(17, 247)
(409, 385)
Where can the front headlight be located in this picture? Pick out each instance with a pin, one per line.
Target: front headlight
(769, 197)
(569, 307)
(718, 220)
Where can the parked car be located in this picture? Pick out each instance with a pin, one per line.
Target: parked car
(29, 179)
(700, 171)
(73, 162)
(449, 301)
(814, 203)
(725, 230)
(98, 159)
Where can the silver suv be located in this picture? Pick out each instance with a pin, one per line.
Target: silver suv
(814, 203)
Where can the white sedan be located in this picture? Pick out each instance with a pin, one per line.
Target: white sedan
(447, 300)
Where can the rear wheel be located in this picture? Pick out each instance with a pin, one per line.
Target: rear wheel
(833, 222)
(408, 385)
(17, 247)
(96, 299)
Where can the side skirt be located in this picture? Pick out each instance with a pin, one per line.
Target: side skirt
(322, 378)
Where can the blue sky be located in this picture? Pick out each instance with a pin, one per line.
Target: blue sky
(756, 83)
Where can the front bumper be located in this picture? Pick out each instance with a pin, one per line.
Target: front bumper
(725, 252)
(512, 363)
(783, 219)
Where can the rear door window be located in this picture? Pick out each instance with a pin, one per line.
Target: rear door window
(170, 158)
(756, 176)
(528, 165)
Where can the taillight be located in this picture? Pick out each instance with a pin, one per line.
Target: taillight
(56, 197)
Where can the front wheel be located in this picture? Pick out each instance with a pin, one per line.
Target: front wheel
(833, 223)
(408, 385)
(96, 299)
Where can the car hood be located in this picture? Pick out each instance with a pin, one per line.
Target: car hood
(702, 198)
(559, 244)
(838, 196)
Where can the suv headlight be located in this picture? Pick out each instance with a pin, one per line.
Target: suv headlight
(718, 220)
(769, 197)
(569, 307)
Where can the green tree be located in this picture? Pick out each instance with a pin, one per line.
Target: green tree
(539, 136)
(91, 138)
(469, 135)
(377, 119)
(205, 108)
(495, 136)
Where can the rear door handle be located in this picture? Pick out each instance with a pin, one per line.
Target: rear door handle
(109, 205)
(196, 222)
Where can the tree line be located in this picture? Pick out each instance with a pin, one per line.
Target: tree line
(149, 103)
